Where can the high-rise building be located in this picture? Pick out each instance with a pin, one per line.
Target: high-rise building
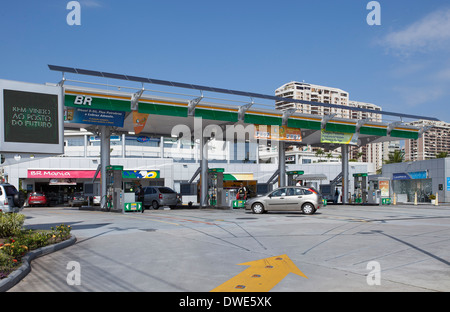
(372, 153)
(313, 93)
(431, 143)
(390, 147)
(375, 116)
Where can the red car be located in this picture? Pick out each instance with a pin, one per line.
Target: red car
(36, 198)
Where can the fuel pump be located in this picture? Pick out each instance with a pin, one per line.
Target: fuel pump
(360, 186)
(129, 198)
(374, 195)
(215, 187)
(114, 192)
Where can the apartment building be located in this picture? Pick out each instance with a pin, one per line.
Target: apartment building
(312, 93)
(432, 142)
(372, 153)
(365, 115)
(390, 147)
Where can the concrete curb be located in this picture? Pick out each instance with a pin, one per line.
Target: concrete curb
(25, 268)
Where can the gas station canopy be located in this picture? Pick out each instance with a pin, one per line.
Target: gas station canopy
(165, 113)
(106, 111)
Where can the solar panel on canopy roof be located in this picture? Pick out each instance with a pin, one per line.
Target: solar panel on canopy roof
(224, 91)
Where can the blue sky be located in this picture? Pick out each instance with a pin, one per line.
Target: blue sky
(402, 65)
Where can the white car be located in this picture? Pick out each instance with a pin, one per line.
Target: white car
(10, 200)
(96, 200)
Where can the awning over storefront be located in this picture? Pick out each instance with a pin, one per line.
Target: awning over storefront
(312, 176)
(237, 176)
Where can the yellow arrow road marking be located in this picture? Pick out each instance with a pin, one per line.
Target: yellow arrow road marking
(261, 276)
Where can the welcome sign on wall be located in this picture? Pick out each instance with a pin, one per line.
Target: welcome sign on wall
(32, 118)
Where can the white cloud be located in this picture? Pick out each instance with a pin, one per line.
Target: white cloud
(443, 74)
(430, 33)
(415, 96)
(90, 3)
(406, 70)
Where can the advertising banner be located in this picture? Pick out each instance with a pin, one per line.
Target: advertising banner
(282, 133)
(95, 117)
(62, 182)
(139, 121)
(384, 188)
(140, 174)
(338, 137)
(410, 175)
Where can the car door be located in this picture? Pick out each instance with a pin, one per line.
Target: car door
(300, 197)
(147, 196)
(291, 199)
(153, 195)
(276, 200)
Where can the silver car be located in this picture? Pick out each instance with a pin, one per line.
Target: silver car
(290, 198)
(157, 196)
(10, 198)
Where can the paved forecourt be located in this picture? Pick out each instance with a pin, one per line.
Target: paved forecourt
(341, 248)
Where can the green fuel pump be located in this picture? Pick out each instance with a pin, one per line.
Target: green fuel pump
(114, 193)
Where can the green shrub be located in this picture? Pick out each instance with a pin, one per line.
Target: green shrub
(11, 224)
(61, 232)
(6, 260)
(18, 242)
(33, 239)
(14, 248)
(7, 264)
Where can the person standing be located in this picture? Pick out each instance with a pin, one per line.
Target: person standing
(242, 192)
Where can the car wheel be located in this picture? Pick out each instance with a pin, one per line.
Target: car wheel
(308, 209)
(258, 208)
(155, 205)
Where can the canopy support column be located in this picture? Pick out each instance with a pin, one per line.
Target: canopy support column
(204, 172)
(104, 161)
(281, 164)
(345, 172)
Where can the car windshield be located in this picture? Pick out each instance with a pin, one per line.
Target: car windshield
(37, 194)
(10, 190)
(166, 190)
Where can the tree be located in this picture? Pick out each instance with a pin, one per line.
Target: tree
(329, 156)
(442, 155)
(320, 153)
(359, 155)
(396, 156)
